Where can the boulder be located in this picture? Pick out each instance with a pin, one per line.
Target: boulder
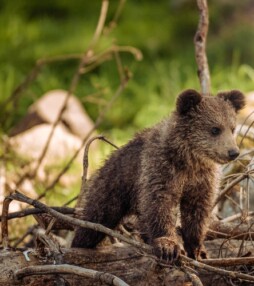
(47, 109)
(31, 143)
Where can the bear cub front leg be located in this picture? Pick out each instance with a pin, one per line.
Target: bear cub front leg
(158, 221)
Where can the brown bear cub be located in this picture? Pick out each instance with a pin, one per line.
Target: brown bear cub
(169, 167)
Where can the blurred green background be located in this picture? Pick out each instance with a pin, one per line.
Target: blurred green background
(163, 30)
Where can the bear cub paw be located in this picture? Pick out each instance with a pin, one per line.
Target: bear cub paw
(198, 253)
(166, 248)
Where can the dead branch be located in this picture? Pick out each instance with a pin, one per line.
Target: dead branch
(231, 274)
(76, 77)
(123, 262)
(229, 186)
(238, 216)
(103, 277)
(27, 212)
(5, 211)
(73, 85)
(44, 240)
(197, 264)
(85, 59)
(219, 229)
(229, 262)
(73, 221)
(98, 121)
(200, 47)
(118, 12)
(85, 167)
(24, 236)
(91, 61)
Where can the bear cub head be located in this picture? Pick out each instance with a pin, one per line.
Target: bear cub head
(208, 123)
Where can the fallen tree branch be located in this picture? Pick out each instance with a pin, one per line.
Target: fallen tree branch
(229, 262)
(73, 221)
(103, 277)
(231, 274)
(20, 197)
(219, 229)
(238, 216)
(27, 212)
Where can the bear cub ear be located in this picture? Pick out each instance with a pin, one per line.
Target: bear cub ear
(187, 101)
(235, 97)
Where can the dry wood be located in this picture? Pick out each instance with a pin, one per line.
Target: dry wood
(98, 121)
(102, 277)
(85, 167)
(229, 262)
(227, 189)
(238, 216)
(200, 47)
(4, 221)
(219, 229)
(139, 245)
(26, 212)
(64, 218)
(124, 262)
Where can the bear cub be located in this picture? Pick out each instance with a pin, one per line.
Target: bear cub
(166, 168)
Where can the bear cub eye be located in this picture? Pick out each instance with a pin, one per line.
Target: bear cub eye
(216, 131)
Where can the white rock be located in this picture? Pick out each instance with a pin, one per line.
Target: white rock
(31, 143)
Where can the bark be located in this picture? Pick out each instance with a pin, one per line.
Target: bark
(124, 264)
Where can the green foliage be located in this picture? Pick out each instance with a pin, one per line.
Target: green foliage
(164, 32)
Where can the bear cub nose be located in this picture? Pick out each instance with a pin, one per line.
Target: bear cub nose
(233, 153)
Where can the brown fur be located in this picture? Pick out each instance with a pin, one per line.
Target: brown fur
(175, 163)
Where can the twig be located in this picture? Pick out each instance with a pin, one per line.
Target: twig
(73, 221)
(100, 24)
(200, 47)
(119, 9)
(248, 128)
(237, 216)
(70, 269)
(27, 212)
(46, 241)
(70, 201)
(20, 239)
(229, 186)
(229, 231)
(20, 197)
(31, 77)
(85, 166)
(97, 123)
(75, 79)
(228, 262)
(85, 157)
(231, 274)
(45, 61)
(5, 211)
